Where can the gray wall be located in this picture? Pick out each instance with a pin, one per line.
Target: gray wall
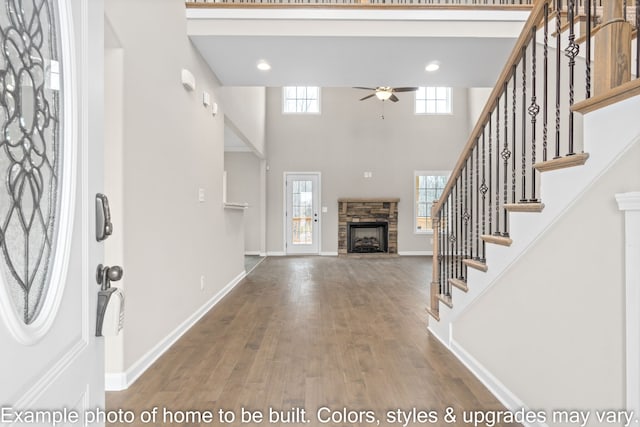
(349, 138)
(551, 329)
(243, 185)
(171, 147)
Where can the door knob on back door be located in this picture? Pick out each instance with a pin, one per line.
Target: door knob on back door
(105, 275)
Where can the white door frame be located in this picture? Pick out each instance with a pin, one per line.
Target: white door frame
(284, 211)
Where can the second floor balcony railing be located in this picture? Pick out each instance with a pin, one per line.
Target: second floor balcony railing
(506, 4)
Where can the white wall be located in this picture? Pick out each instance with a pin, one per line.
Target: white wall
(244, 185)
(245, 109)
(477, 99)
(349, 138)
(172, 146)
(113, 181)
(551, 329)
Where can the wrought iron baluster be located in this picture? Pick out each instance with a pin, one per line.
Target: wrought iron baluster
(558, 66)
(457, 226)
(484, 188)
(467, 214)
(637, 39)
(506, 155)
(464, 218)
(587, 9)
(534, 109)
(545, 83)
(571, 52)
(459, 220)
(476, 191)
(523, 165)
(513, 137)
(497, 218)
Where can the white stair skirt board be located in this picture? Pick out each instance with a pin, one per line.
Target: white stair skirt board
(560, 189)
(122, 380)
(629, 203)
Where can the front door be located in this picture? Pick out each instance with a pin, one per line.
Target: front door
(302, 218)
(51, 76)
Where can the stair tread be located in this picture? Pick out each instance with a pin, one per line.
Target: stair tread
(478, 265)
(524, 207)
(446, 299)
(498, 240)
(433, 313)
(460, 284)
(577, 159)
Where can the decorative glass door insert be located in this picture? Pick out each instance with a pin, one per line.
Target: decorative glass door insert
(31, 150)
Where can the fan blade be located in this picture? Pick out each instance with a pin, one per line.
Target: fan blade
(405, 89)
(393, 98)
(367, 97)
(365, 88)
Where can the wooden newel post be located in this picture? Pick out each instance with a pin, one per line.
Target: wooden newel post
(612, 61)
(435, 277)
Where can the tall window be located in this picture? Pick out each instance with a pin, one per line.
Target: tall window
(428, 187)
(301, 99)
(433, 100)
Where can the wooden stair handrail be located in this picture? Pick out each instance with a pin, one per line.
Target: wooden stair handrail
(535, 18)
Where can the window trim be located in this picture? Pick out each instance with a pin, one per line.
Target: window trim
(448, 113)
(284, 102)
(416, 174)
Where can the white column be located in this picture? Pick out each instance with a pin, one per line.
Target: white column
(630, 204)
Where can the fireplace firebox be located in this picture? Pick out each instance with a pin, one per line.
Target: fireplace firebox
(367, 237)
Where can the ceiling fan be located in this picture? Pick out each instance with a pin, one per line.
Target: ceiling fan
(385, 92)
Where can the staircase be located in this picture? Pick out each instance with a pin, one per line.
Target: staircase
(530, 130)
(562, 116)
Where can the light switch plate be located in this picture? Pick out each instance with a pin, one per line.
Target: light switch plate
(325, 209)
(201, 195)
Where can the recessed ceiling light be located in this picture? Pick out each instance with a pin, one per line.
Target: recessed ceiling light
(263, 66)
(432, 66)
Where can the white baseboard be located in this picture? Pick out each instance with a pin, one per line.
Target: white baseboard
(328, 253)
(123, 380)
(276, 253)
(415, 253)
(115, 381)
(252, 253)
(495, 386)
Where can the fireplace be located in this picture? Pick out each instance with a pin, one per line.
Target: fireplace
(355, 219)
(367, 237)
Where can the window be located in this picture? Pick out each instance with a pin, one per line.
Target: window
(428, 187)
(301, 99)
(433, 100)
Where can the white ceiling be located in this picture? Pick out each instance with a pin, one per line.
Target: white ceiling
(354, 61)
(346, 48)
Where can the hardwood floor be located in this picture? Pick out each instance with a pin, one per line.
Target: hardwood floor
(312, 332)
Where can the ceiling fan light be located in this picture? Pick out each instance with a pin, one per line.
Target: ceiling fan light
(383, 95)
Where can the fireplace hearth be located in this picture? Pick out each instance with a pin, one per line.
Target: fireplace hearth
(367, 237)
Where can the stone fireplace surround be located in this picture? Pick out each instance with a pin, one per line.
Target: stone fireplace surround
(368, 210)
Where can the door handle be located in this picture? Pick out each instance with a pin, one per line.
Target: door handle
(110, 312)
(105, 275)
